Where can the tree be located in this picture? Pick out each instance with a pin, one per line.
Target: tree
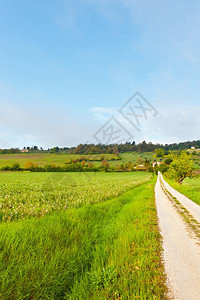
(168, 161)
(129, 166)
(54, 150)
(29, 165)
(105, 165)
(15, 167)
(90, 165)
(180, 167)
(83, 163)
(139, 161)
(159, 152)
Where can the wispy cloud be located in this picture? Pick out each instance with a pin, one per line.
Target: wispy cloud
(172, 124)
(21, 125)
(102, 113)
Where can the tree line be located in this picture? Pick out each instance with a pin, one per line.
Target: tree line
(106, 149)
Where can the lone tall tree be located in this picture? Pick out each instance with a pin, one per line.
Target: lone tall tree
(181, 167)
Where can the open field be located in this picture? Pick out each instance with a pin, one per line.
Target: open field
(42, 159)
(109, 250)
(133, 157)
(196, 160)
(46, 158)
(27, 194)
(190, 188)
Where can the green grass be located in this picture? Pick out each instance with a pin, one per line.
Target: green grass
(109, 250)
(196, 160)
(60, 159)
(46, 158)
(133, 157)
(25, 194)
(189, 187)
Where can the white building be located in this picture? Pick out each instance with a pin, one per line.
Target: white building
(158, 163)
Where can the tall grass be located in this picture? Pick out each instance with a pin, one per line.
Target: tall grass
(110, 250)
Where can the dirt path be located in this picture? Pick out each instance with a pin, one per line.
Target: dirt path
(181, 246)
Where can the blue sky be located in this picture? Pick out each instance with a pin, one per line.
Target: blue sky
(67, 66)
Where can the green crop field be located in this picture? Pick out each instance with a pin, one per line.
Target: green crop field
(27, 194)
(190, 188)
(93, 238)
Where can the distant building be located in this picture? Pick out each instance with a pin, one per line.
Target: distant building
(158, 163)
(24, 150)
(141, 166)
(194, 149)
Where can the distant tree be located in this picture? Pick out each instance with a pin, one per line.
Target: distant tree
(6, 168)
(105, 165)
(104, 162)
(129, 166)
(54, 150)
(90, 165)
(83, 163)
(140, 161)
(168, 161)
(115, 150)
(159, 152)
(29, 165)
(147, 164)
(15, 167)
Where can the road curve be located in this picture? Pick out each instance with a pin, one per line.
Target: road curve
(181, 249)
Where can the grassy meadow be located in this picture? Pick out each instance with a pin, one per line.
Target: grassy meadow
(47, 158)
(133, 157)
(196, 159)
(190, 188)
(107, 250)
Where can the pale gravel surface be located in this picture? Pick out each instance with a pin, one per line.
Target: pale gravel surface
(181, 253)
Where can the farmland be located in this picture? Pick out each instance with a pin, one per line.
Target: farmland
(103, 245)
(36, 194)
(42, 159)
(46, 158)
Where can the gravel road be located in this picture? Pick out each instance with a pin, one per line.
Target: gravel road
(181, 247)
